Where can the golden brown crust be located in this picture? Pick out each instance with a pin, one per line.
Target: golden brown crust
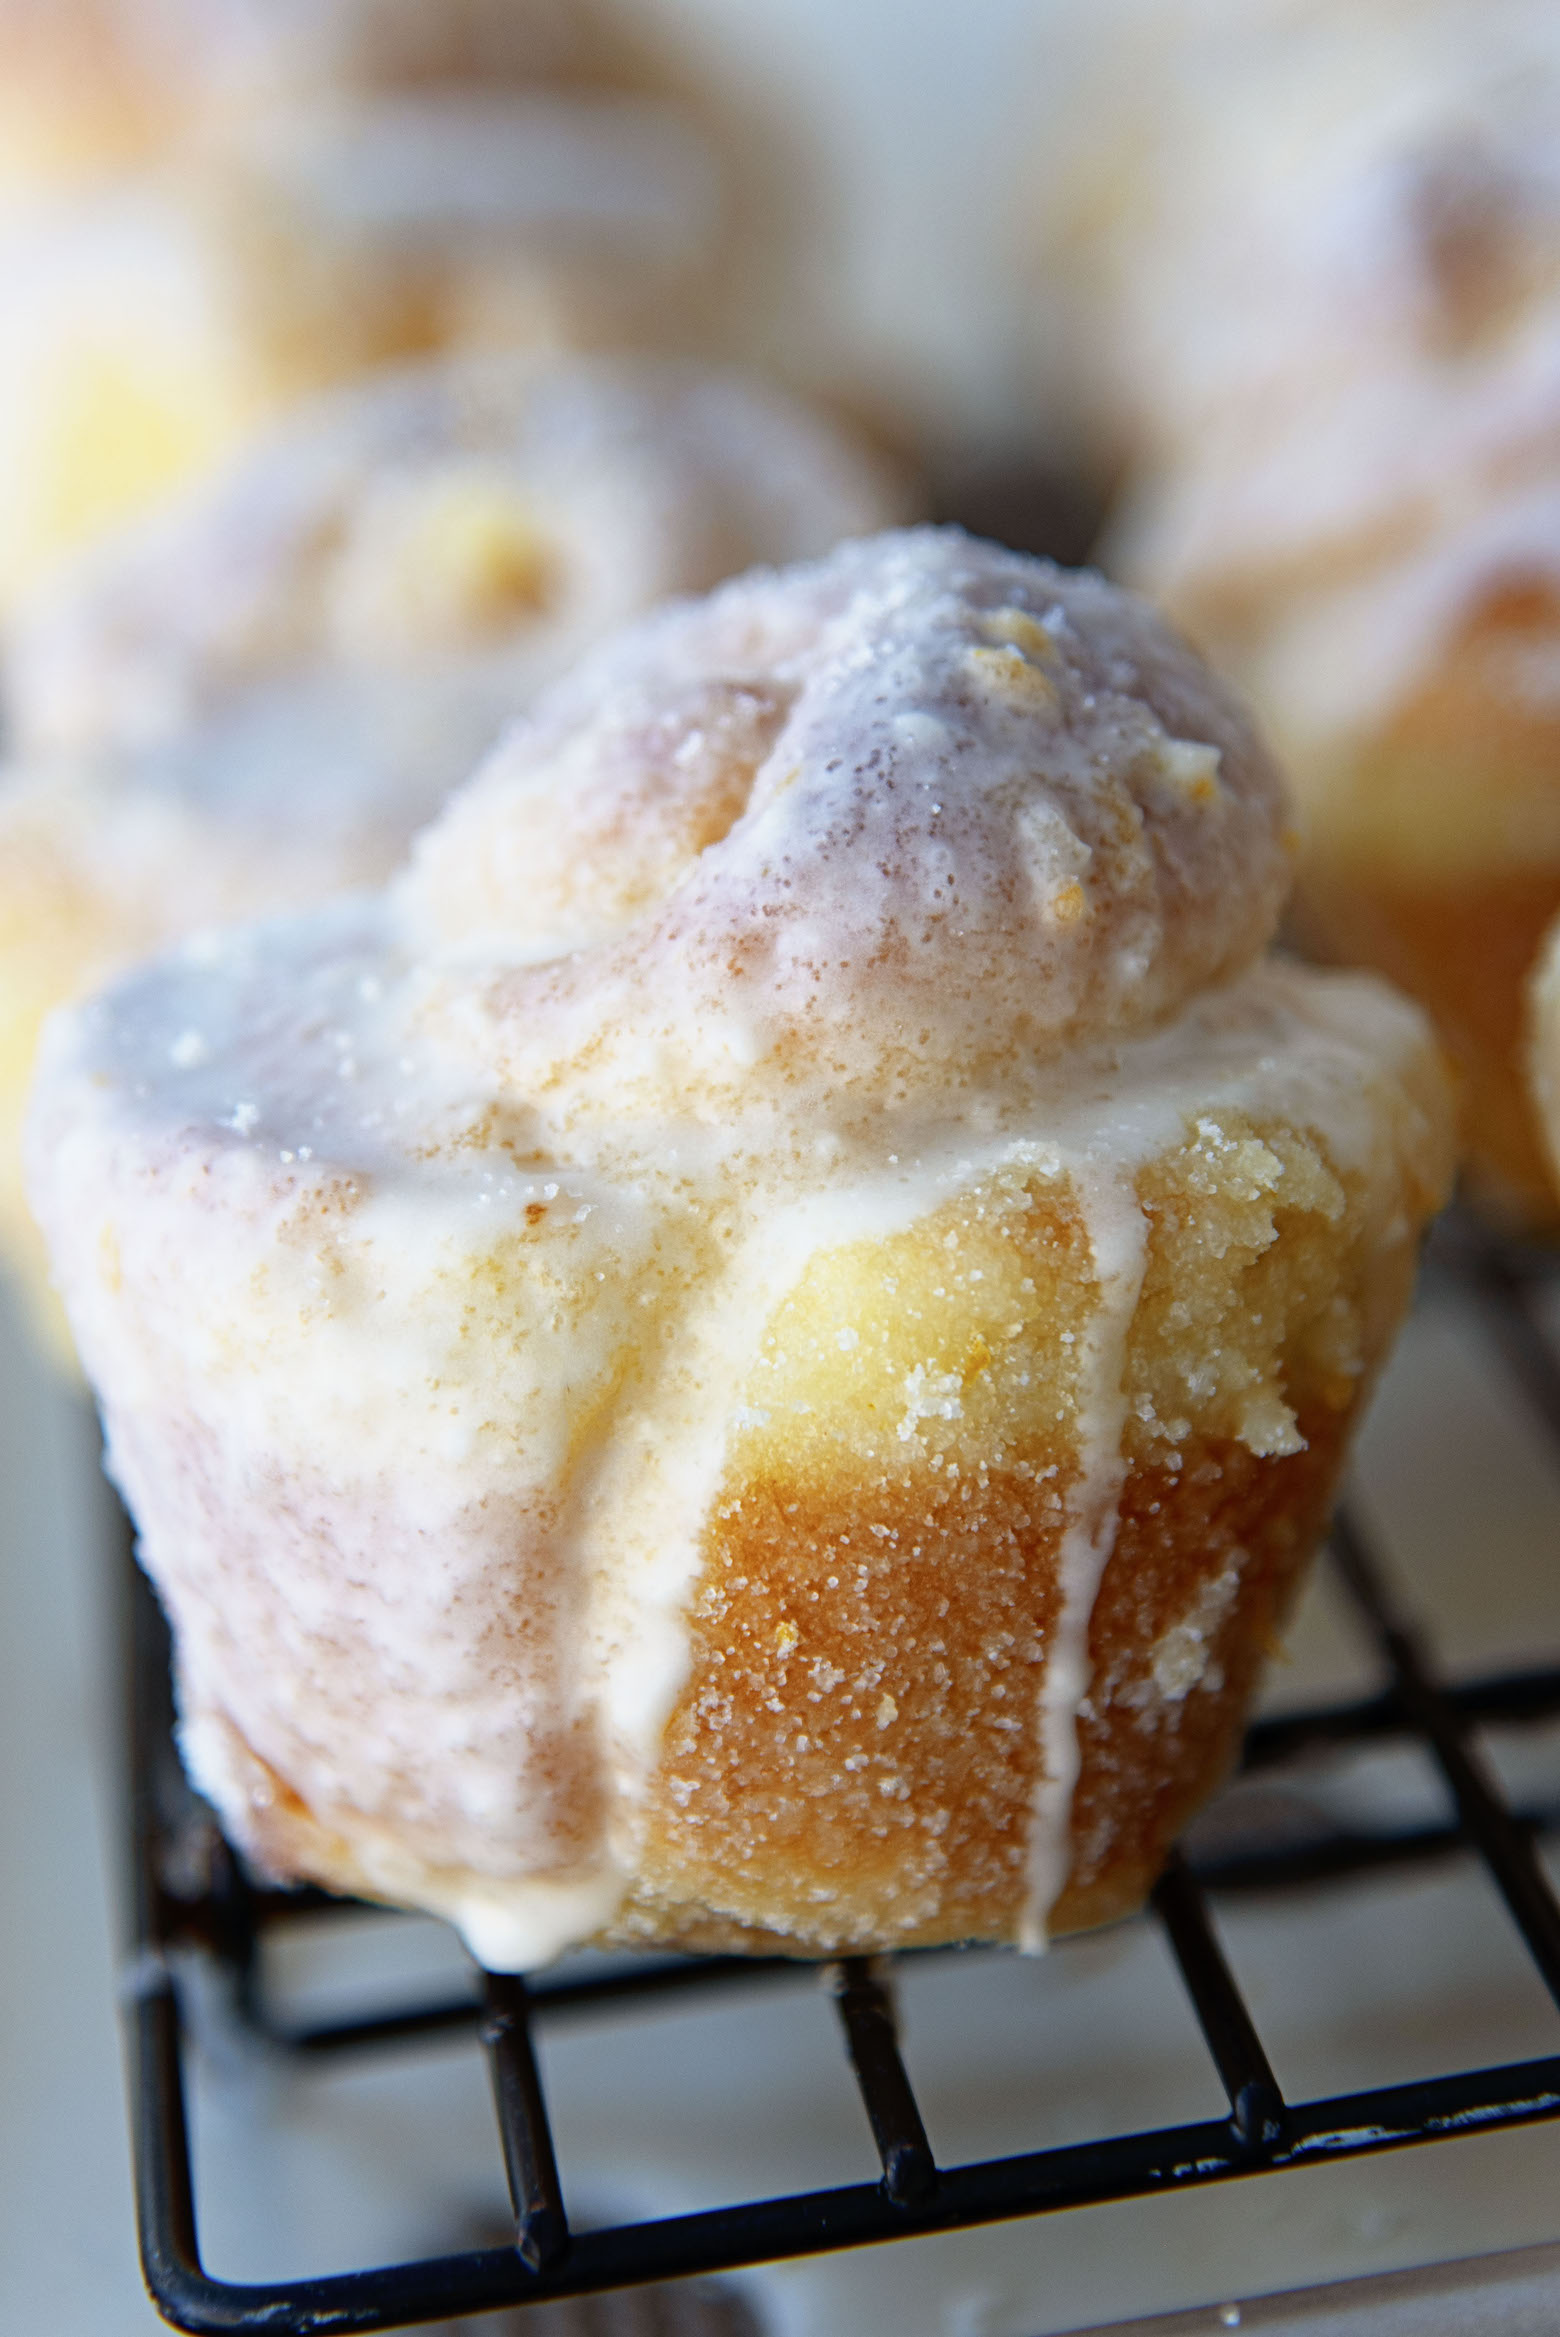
(811, 1812)
(757, 1847)
(855, 1760)
(1465, 948)
(1432, 854)
(1146, 1767)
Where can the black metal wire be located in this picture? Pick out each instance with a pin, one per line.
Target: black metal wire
(866, 2009)
(1257, 2111)
(542, 2227)
(188, 1890)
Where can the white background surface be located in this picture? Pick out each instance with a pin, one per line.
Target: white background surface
(918, 124)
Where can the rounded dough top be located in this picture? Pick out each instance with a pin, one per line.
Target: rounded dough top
(480, 507)
(921, 815)
(1327, 278)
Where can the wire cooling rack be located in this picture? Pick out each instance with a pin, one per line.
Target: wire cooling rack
(190, 1893)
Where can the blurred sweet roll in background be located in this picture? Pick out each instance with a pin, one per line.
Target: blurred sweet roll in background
(253, 700)
(1312, 254)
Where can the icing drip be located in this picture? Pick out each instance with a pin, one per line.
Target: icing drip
(653, 1497)
(1118, 1237)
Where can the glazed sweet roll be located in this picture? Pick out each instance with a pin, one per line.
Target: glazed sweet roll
(158, 320)
(253, 702)
(1247, 202)
(1352, 501)
(753, 1355)
(1426, 766)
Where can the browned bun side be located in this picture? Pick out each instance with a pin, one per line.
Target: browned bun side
(855, 1757)
(1466, 949)
(763, 1825)
(1430, 823)
(1433, 855)
(1140, 1782)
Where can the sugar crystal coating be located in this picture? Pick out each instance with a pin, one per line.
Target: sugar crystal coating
(927, 809)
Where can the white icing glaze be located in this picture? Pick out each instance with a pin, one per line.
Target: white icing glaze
(1261, 199)
(1335, 668)
(406, 1350)
(1118, 1236)
(1344, 660)
(1182, 1658)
